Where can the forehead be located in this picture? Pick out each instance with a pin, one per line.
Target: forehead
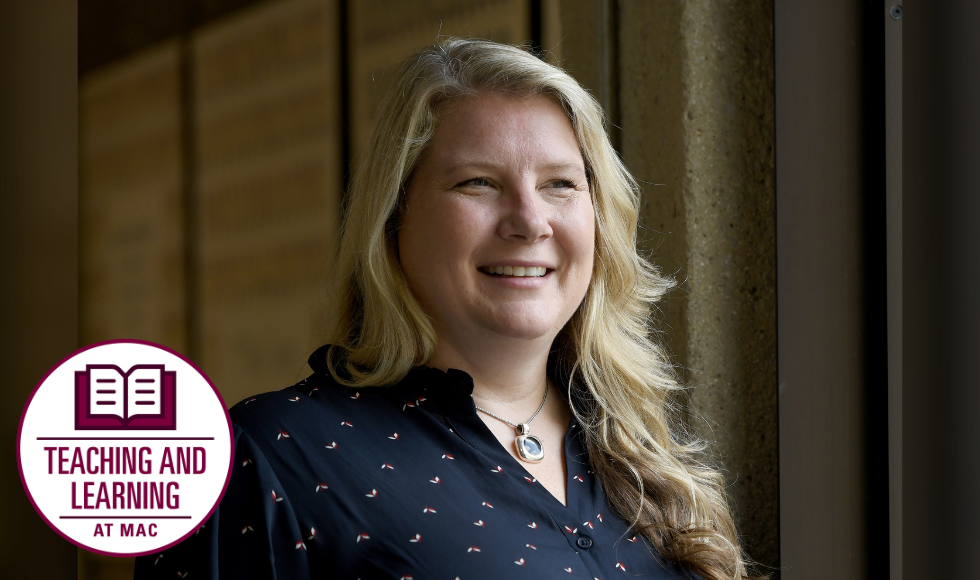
(505, 128)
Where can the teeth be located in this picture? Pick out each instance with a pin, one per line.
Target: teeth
(517, 271)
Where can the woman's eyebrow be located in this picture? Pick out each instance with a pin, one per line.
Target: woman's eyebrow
(563, 166)
(484, 165)
(475, 164)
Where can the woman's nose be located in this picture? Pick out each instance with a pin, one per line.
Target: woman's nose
(525, 216)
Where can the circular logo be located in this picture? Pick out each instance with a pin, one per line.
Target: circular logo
(125, 448)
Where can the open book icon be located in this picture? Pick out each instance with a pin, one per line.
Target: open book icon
(142, 398)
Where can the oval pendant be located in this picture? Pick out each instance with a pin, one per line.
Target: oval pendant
(529, 448)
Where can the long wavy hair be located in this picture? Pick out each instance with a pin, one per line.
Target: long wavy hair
(619, 379)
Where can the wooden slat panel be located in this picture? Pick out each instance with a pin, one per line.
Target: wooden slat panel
(267, 114)
(130, 201)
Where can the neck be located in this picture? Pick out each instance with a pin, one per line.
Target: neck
(511, 374)
(509, 380)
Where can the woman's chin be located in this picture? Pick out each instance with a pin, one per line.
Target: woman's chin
(523, 328)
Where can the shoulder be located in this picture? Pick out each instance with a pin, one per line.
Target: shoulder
(317, 406)
(276, 406)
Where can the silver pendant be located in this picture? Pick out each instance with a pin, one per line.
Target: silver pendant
(529, 447)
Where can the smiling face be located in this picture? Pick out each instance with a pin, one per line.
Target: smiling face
(498, 230)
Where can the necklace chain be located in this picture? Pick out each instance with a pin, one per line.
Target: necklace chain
(515, 425)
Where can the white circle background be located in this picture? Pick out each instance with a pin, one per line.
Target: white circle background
(199, 413)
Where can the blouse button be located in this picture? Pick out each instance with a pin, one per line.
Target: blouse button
(584, 542)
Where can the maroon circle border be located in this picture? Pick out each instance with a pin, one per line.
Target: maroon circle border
(231, 437)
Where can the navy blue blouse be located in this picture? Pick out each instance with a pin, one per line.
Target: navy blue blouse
(398, 482)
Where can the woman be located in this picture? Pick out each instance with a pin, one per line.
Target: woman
(493, 403)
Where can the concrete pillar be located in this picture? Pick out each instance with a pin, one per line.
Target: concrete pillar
(729, 206)
(691, 90)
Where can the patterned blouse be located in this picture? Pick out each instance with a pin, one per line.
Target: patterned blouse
(400, 482)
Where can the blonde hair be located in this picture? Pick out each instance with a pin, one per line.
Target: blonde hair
(620, 381)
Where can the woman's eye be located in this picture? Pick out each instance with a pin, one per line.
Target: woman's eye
(563, 184)
(476, 181)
